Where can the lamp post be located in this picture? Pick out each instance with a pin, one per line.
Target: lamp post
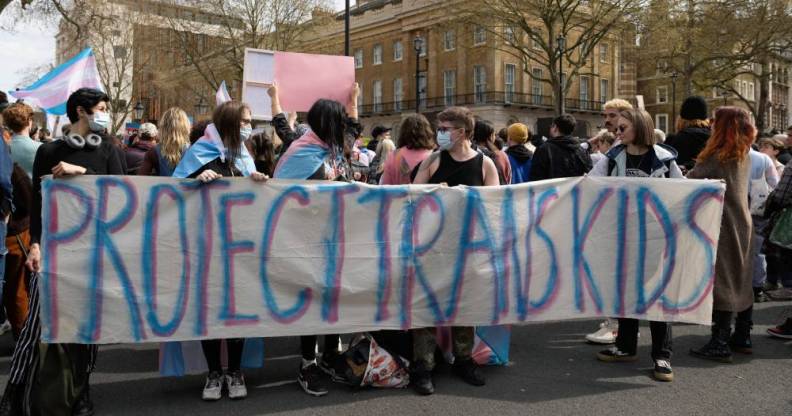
(725, 94)
(561, 41)
(674, 76)
(346, 29)
(138, 108)
(418, 46)
(201, 107)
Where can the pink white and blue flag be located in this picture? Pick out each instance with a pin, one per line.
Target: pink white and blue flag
(222, 95)
(52, 90)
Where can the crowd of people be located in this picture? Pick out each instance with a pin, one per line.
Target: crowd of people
(753, 264)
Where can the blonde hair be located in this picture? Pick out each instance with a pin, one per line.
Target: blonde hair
(617, 104)
(174, 135)
(384, 149)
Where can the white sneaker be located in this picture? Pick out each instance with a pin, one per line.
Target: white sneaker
(236, 385)
(213, 389)
(606, 334)
(5, 327)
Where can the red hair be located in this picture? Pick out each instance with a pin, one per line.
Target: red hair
(732, 135)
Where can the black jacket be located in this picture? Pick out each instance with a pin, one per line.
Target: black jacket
(688, 143)
(560, 157)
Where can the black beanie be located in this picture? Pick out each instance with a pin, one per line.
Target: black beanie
(694, 108)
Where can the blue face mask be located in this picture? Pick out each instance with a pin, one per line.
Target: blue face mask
(99, 121)
(444, 140)
(245, 132)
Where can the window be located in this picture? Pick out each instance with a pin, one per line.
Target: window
(377, 59)
(508, 34)
(398, 51)
(744, 89)
(662, 95)
(119, 52)
(397, 94)
(603, 49)
(752, 91)
(536, 86)
(479, 36)
(358, 58)
(661, 121)
(449, 40)
(535, 42)
(604, 87)
(584, 92)
(508, 82)
(479, 83)
(424, 46)
(449, 87)
(377, 96)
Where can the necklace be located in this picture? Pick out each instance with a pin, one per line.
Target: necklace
(636, 165)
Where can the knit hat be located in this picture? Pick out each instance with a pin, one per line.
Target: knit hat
(694, 108)
(148, 130)
(518, 133)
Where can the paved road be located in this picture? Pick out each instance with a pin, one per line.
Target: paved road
(552, 372)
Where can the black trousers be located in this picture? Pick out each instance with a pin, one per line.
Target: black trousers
(211, 350)
(308, 345)
(627, 339)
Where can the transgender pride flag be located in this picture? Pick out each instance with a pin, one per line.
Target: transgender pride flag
(52, 90)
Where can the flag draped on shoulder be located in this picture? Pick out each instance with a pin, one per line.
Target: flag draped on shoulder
(52, 90)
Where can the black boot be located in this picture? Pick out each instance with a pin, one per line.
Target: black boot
(717, 349)
(421, 380)
(84, 405)
(11, 404)
(740, 341)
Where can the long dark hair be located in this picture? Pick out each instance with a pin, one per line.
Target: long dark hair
(482, 133)
(328, 120)
(227, 118)
(263, 150)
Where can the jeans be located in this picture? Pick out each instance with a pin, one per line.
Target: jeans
(3, 252)
(627, 340)
(308, 345)
(757, 258)
(424, 345)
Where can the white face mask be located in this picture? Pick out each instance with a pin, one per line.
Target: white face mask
(444, 140)
(98, 121)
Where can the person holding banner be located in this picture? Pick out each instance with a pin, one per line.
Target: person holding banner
(221, 153)
(174, 139)
(62, 385)
(322, 153)
(457, 163)
(639, 156)
(726, 156)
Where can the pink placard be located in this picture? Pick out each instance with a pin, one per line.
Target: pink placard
(305, 78)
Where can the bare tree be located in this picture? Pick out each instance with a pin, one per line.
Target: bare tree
(529, 29)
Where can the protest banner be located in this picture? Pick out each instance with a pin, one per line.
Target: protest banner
(302, 79)
(135, 259)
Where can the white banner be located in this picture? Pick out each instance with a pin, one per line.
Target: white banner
(154, 259)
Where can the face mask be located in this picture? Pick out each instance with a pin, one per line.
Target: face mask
(98, 121)
(444, 140)
(245, 132)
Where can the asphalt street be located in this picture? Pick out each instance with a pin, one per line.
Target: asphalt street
(552, 371)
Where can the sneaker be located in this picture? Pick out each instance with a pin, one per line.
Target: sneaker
(310, 379)
(236, 385)
(606, 334)
(614, 354)
(5, 327)
(469, 371)
(332, 364)
(780, 294)
(84, 405)
(782, 331)
(213, 389)
(663, 371)
(767, 286)
(421, 381)
(760, 296)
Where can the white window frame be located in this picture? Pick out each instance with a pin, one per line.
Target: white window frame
(752, 91)
(537, 86)
(398, 95)
(376, 95)
(358, 58)
(449, 87)
(604, 92)
(449, 40)
(604, 52)
(376, 54)
(661, 94)
(479, 36)
(585, 93)
(479, 83)
(508, 87)
(662, 126)
(509, 34)
(398, 51)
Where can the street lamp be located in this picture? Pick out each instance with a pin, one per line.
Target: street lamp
(346, 29)
(674, 76)
(418, 47)
(561, 41)
(201, 107)
(725, 94)
(138, 110)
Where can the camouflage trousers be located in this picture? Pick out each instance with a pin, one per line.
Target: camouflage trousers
(424, 345)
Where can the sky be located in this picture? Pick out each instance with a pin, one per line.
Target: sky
(31, 46)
